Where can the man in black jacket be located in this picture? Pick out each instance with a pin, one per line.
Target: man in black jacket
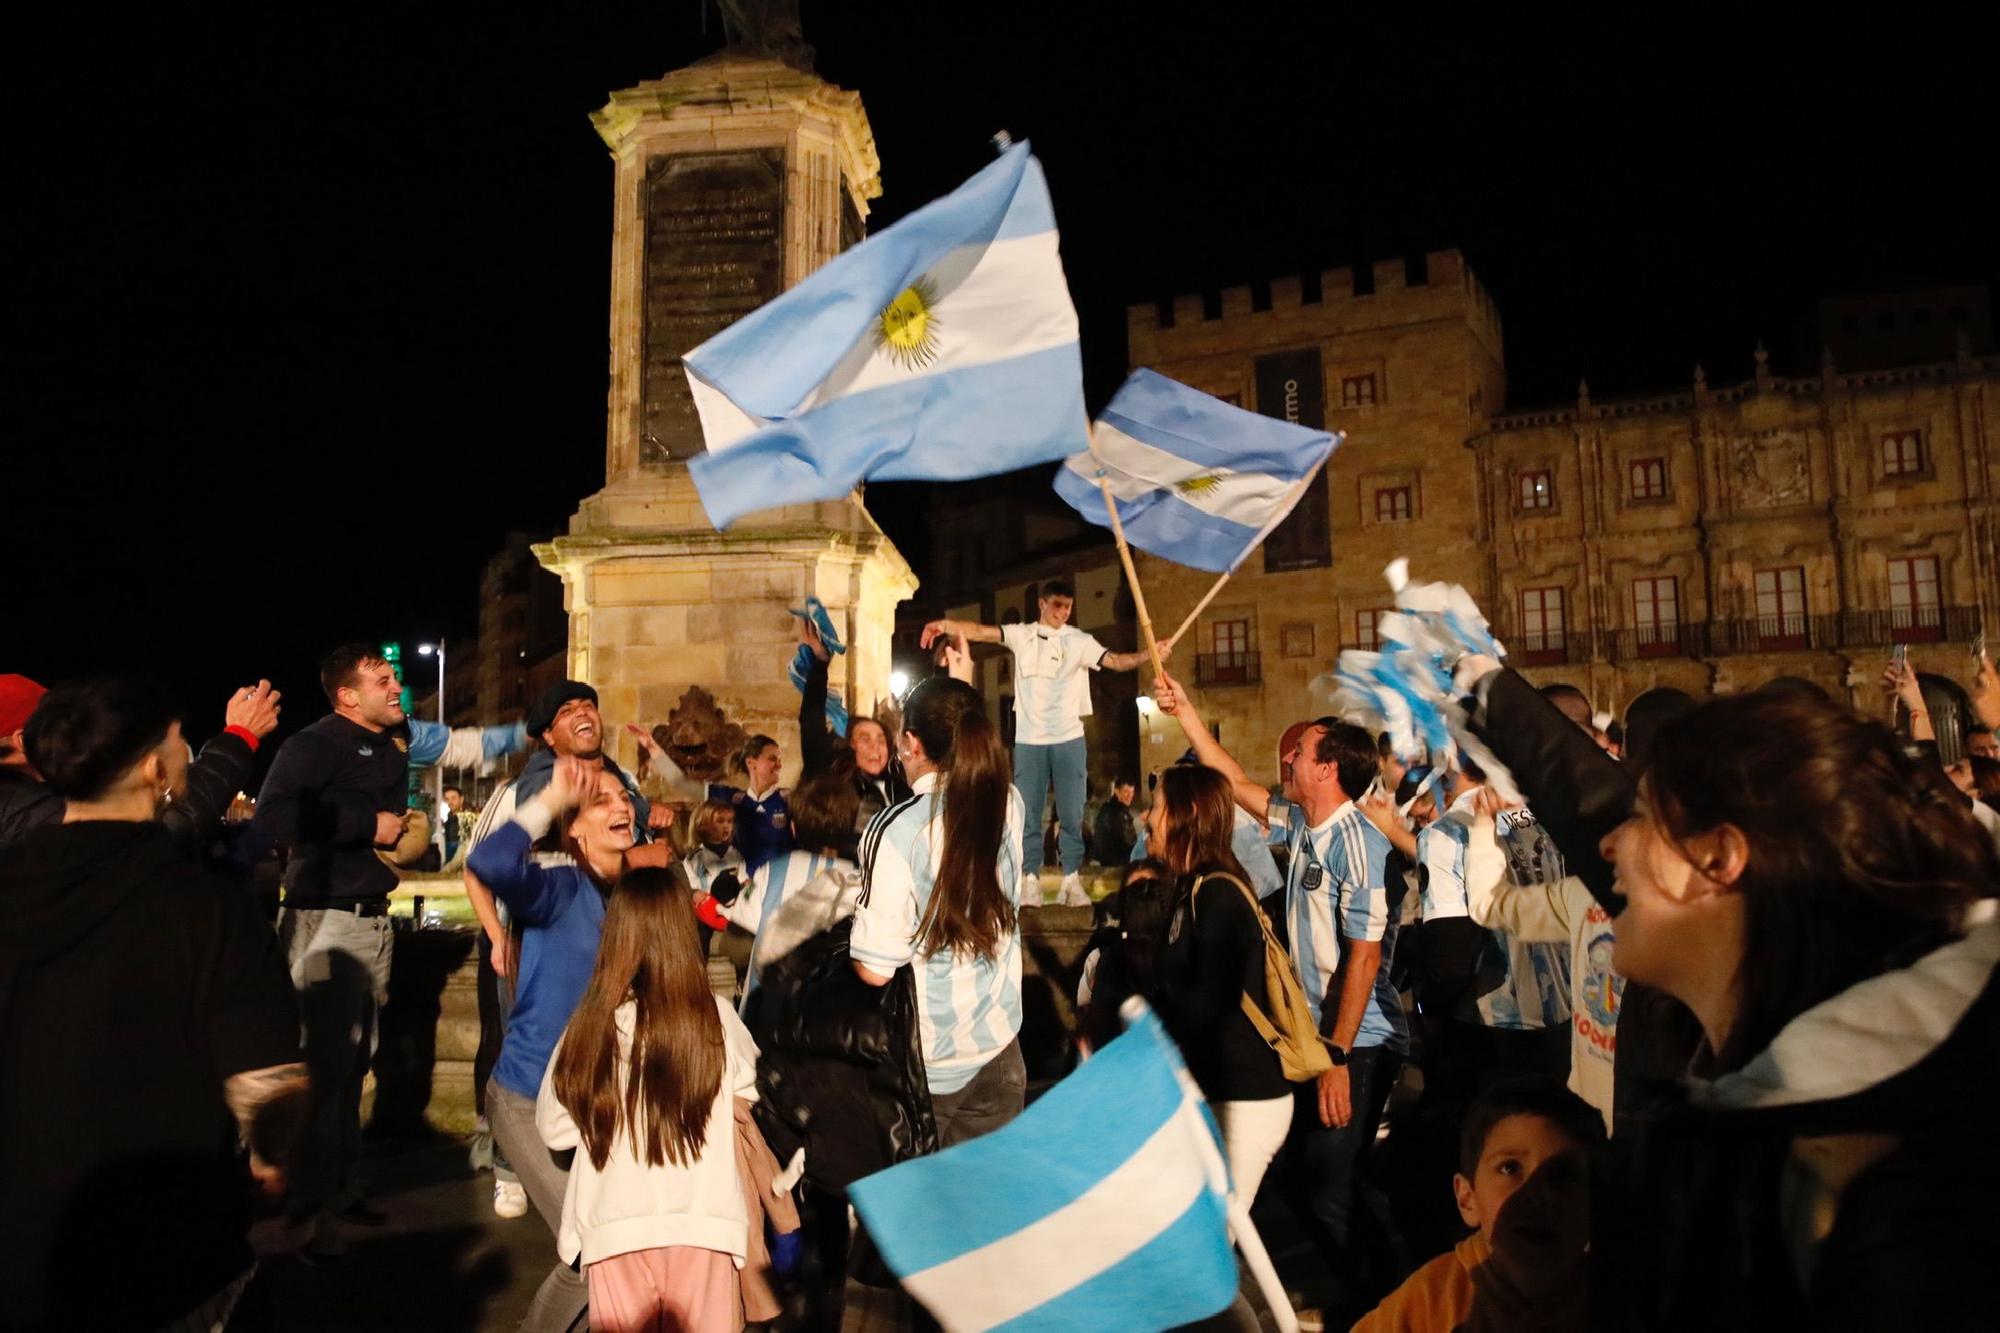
(145, 1022)
(199, 800)
(338, 790)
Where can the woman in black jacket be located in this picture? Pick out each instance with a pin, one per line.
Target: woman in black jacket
(1213, 956)
(1821, 904)
(868, 758)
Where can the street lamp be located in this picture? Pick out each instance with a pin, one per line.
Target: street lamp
(426, 650)
(899, 684)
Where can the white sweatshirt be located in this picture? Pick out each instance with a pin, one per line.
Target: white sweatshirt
(1560, 910)
(628, 1205)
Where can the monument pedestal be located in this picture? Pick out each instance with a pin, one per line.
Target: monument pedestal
(659, 607)
(736, 178)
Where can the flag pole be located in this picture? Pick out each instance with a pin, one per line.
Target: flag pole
(1291, 503)
(1200, 606)
(1131, 574)
(1259, 1259)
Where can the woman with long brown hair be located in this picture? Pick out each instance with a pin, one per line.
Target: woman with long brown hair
(561, 911)
(1818, 899)
(942, 884)
(1213, 956)
(641, 1086)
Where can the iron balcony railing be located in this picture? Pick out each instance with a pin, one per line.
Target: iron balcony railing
(1751, 634)
(1227, 669)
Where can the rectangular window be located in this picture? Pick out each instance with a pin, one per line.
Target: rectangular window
(1903, 453)
(1537, 490)
(1542, 637)
(1357, 390)
(1649, 479)
(1231, 662)
(1364, 629)
(1392, 504)
(1914, 611)
(1781, 608)
(1656, 616)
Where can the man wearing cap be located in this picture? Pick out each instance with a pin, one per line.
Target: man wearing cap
(337, 791)
(197, 804)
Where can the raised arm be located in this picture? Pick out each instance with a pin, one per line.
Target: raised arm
(433, 743)
(964, 629)
(815, 737)
(1173, 701)
(1577, 791)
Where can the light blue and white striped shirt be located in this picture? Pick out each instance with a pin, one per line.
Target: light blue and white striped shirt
(1336, 888)
(1535, 991)
(968, 1009)
(755, 906)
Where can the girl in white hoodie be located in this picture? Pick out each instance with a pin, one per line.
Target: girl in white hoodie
(641, 1085)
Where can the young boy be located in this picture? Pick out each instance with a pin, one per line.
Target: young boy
(1524, 1188)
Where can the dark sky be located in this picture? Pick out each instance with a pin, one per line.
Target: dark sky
(307, 313)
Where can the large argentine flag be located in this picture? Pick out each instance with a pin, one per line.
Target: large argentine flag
(941, 348)
(1102, 1206)
(1198, 482)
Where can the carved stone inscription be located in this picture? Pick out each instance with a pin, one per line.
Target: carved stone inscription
(714, 253)
(1770, 469)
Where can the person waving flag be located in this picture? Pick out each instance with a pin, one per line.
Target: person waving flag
(941, 348)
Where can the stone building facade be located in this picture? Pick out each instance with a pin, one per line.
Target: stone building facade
(1711, 538)
(1405, 358)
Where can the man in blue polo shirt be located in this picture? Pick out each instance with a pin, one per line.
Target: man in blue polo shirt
(1342, 934)
(1051, 699)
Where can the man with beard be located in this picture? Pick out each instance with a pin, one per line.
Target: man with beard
(336, 792)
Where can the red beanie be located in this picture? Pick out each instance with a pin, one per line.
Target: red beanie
(18, 698)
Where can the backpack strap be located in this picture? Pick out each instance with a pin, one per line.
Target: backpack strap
(1251, 1009)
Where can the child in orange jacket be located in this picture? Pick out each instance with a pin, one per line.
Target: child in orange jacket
(1524, 1188)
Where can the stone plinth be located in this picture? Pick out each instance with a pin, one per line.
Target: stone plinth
(655, 610)
(737, 177)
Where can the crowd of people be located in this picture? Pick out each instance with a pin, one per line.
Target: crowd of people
(1699, 1032)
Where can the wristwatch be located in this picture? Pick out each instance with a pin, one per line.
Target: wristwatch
(1339, 1055)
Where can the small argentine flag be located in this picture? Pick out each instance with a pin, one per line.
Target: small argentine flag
(1198, 482)
(1102, 1206)
(941, 348)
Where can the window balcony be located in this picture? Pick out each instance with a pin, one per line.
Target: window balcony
(1227, 669)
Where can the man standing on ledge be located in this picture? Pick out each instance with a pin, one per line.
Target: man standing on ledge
(337, 791)
(1051, 699)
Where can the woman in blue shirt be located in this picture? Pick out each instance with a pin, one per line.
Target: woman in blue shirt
(561, 911)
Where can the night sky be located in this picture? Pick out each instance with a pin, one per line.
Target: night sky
(307, 313)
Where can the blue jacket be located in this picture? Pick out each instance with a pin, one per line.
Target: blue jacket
(561, 910)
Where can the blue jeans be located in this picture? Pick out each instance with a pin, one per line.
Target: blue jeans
(1034, 766)
(1327, 1162)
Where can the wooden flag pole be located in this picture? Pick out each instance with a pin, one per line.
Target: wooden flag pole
(1200, 606)
(1131, 575)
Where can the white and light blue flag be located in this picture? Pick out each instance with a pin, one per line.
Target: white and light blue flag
(1103, 1206)
(1197, 481)
(941, 348)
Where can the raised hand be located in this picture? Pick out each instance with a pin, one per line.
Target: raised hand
(253, 708)
(1168, 695)
(809, 635)
(931, 632)
(568, 783)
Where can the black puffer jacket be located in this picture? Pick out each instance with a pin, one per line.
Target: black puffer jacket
(841, 1069)
(1888, 1089)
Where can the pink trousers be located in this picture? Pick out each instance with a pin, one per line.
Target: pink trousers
(675, 1289)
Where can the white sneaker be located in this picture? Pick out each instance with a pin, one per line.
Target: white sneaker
(1073, 893)
(510, 1199)
(1031, 889)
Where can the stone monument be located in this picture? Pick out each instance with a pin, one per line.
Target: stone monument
(736, 178)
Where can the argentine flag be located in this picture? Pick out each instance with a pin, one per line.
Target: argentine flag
(1198, 482)
(941, 348)
(1103, 1206)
